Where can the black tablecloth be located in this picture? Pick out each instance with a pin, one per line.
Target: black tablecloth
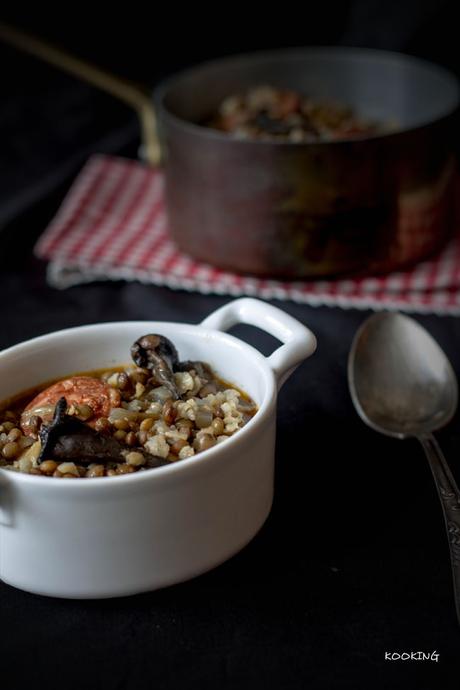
(352, 562)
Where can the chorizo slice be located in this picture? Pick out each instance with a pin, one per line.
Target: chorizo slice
(77, 390)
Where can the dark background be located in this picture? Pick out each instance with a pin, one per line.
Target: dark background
(353, 561)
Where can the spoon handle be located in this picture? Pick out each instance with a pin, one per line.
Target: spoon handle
(449, 494)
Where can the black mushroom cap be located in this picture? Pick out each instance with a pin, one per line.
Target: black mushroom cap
(69, 439)
(158, 354)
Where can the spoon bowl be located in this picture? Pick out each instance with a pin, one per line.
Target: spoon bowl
(401, 382)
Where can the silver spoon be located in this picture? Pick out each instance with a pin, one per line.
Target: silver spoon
(403, 385)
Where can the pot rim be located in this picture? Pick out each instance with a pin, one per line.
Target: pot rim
(397, 57)
(194, 463)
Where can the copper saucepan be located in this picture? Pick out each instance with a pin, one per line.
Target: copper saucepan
(292, 210)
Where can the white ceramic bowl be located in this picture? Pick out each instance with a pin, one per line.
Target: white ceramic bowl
(111, 537)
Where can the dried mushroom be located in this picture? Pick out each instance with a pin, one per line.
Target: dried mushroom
(68, 438)
(158, 354)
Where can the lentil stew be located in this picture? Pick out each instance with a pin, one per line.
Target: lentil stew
(152, 412)
(268, 113)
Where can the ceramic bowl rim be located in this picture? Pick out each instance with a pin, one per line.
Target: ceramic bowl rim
(201, 460)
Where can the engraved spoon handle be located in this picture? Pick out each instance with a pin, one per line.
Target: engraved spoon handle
(450, 501)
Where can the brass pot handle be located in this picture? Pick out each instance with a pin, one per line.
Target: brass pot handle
(131, 94)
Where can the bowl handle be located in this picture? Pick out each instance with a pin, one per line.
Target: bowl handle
(298, 341)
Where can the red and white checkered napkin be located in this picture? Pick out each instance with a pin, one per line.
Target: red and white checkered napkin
(112, 225)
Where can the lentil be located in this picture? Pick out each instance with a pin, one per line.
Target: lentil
(140, 388)
(124, 381)
(122, 424)
(84, 412)
(168, 412)
(146, 424)
(125, 469)
(142, 437)
(14, 435)
(10, 450)
(95, 471)
(48, 466)
(204, 442)
(184, 426)
(203, 417)
(103, 425)
(217, 426)
(177, 446)
(131, 439)
(68, 468)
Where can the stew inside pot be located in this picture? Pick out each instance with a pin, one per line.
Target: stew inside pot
(153, 412)
(269, 113)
